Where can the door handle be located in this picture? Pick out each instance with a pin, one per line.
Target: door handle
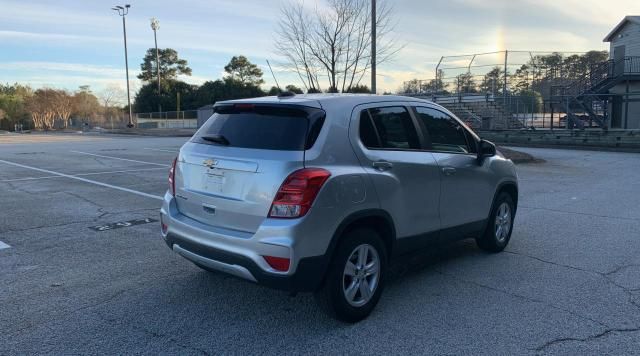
(382, 165)
(448, 171)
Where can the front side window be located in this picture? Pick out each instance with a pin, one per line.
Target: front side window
(445, 133)
(388, 128)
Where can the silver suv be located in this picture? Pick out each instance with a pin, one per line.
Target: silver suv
(317, 193)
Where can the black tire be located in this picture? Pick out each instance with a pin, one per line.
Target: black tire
(492, 240)
(331, 297)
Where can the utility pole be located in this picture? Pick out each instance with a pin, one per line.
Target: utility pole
(123, 11)
(155, 25)
(506, 73)
(373, 47)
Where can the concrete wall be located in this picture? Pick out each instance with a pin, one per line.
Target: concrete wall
(630, 38)
(612, 139)
(167, 124)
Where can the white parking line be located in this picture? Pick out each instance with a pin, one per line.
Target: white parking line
(83, 174)
(83, 180)
(161, 150)
(122, 159)
(3, 245)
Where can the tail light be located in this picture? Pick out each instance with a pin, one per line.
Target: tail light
(278, 263)
(172, 177)
(297, 193)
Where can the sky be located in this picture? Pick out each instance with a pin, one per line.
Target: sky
(66, 43)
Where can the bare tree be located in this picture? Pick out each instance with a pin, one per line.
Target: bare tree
(294, 35)
(63, 106)
(334, 41)
(112, 95)
(41, 108)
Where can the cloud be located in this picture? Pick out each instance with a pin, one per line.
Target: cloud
(604, 13)
(84, 42)
(95, 70)
(57, 38)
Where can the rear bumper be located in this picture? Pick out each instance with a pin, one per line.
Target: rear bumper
(307, 278)
(240, 254)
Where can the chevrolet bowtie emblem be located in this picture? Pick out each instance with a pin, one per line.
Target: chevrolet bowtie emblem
(210, 163)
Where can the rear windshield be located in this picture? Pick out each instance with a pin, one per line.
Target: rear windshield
(264, 127)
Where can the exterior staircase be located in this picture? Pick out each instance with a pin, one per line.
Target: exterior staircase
(586, 99)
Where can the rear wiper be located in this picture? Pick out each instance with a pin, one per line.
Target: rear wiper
(219, 139)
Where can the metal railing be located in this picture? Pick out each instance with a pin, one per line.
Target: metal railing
(598, 75)
(585, 95)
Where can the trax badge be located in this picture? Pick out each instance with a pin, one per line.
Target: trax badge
(210, 163)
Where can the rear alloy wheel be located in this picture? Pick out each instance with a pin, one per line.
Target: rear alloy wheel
(355, 278)
(361, 275)
(500, 225)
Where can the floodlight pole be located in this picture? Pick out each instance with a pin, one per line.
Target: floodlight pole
(506, 73)
(155, 25)
(373, 46)
(123, 11)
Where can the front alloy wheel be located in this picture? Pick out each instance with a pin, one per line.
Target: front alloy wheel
(500, 225)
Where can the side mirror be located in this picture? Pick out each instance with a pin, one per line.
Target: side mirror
(486, 149)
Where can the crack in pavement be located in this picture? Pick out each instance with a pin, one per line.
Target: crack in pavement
(519, 296)
(156, 335)
(551, 262)
(110, 321)
(587, 339)
(101, 209)
(21, 190)
(171, 339)
(605, 275)
(85, 199)
(579, 213)
(103, 214)
(87, 306)
(46, 226)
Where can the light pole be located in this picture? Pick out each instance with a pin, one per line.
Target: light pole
(373, 46)
(123, 11)
(155, 25)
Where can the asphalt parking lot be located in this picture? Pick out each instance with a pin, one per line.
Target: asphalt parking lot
(568, 283)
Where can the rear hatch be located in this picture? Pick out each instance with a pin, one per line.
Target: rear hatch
(230, 171)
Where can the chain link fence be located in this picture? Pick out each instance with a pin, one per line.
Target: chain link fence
(488, 112)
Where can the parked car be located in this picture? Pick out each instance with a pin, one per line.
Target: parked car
(581, 122)
(317, 193)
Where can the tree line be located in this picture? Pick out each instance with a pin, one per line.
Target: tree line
(538, 75)
(328, 47)
(49, 108)
(242, 79)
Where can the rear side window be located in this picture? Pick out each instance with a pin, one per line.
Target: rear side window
(262, 127)
(368, 133)
(445, 133)
(388, 128)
